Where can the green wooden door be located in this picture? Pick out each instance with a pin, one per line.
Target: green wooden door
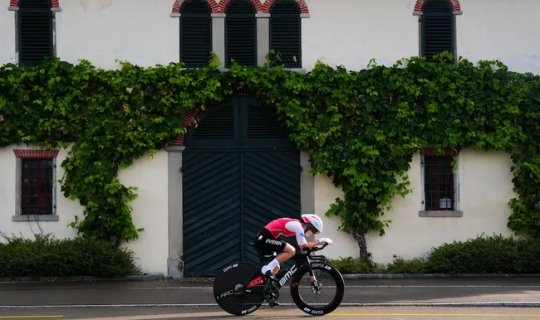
(239, 171)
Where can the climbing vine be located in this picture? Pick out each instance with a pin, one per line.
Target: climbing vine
(359, 127)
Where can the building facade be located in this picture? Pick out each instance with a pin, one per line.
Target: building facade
(445, 205)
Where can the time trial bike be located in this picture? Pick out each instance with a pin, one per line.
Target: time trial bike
(317, 287)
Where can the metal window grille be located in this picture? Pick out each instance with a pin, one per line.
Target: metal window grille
(439, 183)
(36, 186)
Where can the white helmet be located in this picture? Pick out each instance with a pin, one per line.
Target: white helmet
(314, 222)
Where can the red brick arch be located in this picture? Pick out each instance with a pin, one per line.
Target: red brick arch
(419, 7)
(256, 3)
(177, 6)
(215, 6)
(55, 4)
(301, 5)
(191, 119)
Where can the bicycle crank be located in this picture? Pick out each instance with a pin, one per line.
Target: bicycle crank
(271, 293)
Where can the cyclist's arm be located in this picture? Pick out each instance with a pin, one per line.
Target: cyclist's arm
(300, 236)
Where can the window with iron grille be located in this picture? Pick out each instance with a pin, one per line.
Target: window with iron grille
(240, 33)
(35, 31)
(195, 33)
(36, 186)
(437, 25)
(285, 33)
(439, 183)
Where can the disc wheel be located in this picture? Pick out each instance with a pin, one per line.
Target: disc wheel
(230, 290)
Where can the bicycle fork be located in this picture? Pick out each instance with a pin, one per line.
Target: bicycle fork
(315, 285)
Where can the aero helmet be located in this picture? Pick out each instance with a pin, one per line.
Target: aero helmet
(314, 222)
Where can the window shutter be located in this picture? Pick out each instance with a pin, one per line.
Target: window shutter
(437, 28)
(240, 34)
(262, 124)
(195, 34)
(35, 32)
(217, 123)
(285, 33)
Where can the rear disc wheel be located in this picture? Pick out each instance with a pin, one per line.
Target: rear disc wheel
(230, 290)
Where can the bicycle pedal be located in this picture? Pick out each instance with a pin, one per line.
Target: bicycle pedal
(273, 304)
(269, 275)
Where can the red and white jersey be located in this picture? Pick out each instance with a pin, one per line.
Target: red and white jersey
(287, 227)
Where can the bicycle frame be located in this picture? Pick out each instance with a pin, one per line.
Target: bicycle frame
(300, 259)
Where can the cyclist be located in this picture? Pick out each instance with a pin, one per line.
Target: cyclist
(267, 239)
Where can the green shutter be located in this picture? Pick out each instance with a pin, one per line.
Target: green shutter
(241, 33)
(285, 33)
(35, 32)
(195, 34)
(437, 28)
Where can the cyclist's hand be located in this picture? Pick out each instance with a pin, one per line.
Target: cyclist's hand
(325, 241)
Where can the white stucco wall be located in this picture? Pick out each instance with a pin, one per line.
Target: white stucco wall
(485, 184)
(149, 175)
(352, 32)
(104, 31)
(7, 35)
(502, 30)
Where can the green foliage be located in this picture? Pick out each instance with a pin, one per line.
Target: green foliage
(359, 127)
(351, 265)
(495, 254)
(50, 257)
(400, 265)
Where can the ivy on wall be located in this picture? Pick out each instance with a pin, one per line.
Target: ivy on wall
(359, 127)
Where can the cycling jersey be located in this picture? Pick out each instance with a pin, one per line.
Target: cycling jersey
(287, 227)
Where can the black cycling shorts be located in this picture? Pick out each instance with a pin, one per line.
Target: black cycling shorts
(267, 244)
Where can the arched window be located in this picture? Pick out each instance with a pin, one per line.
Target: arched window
(437, 28)
(195, 33)
(35, 31)
(240, 33)
(285, 32)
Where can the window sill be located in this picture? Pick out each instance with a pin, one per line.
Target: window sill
(441, 213)
(34, 217)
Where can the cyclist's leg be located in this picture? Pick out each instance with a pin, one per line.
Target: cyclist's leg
(267, 244)
(288, 252)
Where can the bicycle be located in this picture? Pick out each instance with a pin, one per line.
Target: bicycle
(317, 287)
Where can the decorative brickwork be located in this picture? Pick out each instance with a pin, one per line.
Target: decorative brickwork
(433, 152)
(177, 6)
(301, 5)
(256, 3)
(419, 7)
(55, 4)
(35, 154)
(191, 119)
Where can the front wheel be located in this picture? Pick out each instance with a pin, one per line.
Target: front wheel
(321, 294)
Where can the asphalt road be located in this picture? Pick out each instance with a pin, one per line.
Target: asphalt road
(432, 298)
